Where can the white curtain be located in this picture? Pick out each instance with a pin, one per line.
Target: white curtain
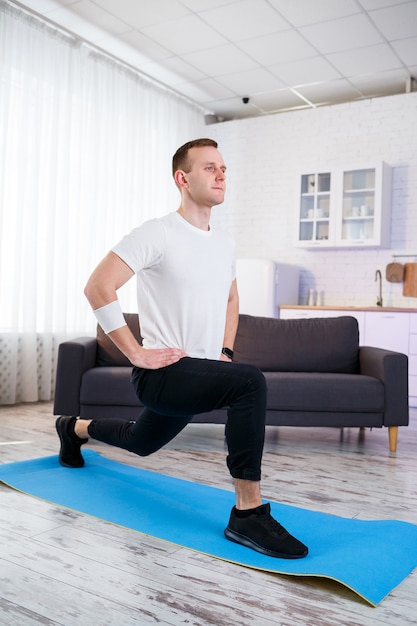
(85, 151)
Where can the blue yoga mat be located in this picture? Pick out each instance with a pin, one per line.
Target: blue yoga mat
(369, 557)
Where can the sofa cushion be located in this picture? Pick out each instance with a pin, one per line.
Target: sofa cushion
(339, 393)
(108, 385)
(298, 345)
(107, 352)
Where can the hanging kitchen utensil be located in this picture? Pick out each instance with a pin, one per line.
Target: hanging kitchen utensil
(410, 280)
(394, 272)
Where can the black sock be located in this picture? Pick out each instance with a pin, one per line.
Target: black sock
(247, 512)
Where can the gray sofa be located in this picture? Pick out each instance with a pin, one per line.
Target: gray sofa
(316, 373)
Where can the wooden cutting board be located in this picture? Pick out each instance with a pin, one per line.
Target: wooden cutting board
(394, 272)
(410, 280)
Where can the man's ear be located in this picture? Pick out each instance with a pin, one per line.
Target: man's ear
(180, 178)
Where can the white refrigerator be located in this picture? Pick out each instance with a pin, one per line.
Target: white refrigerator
(264, 284)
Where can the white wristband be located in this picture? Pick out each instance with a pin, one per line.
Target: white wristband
(110, 316)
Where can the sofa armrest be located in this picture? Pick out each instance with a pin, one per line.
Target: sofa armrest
(74, 358)
(391, 368)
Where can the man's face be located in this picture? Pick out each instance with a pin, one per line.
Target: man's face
(207, 177)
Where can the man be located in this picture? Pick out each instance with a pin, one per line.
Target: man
(188, 312)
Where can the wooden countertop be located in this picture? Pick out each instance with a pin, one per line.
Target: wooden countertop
(384, 309)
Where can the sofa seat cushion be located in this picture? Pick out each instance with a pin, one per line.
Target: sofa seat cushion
(344, 393)
(298, 345)
(108, 385)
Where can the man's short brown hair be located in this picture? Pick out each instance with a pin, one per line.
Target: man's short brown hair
(180, 160)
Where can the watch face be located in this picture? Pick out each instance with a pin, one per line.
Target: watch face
(228, 352)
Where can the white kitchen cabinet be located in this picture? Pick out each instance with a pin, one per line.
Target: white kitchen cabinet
(412, 360)
(389, 330)
(298, 314)
(349, 207)
(316, 203)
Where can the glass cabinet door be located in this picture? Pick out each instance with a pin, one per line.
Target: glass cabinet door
(314, 214)
(358, 205)
(344, 207)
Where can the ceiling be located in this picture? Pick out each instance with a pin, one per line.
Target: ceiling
(281, 55)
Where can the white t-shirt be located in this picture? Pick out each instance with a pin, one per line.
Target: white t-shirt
(184, 275)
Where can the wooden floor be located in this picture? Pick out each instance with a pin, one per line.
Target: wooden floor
(61, 567)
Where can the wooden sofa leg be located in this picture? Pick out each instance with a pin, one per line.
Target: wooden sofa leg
(393, 437)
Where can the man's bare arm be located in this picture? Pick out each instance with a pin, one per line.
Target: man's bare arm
(232, 319)
(100, 290)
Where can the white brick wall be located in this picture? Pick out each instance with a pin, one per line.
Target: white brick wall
(265, 157)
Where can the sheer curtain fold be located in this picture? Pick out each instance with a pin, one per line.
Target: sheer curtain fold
(85, 149)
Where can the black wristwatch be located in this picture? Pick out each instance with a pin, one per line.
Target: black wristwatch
(228, 352)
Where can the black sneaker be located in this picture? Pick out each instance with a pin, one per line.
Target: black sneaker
(70, 452)
(261, 532)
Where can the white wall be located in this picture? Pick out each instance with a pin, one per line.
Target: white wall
(265, 157)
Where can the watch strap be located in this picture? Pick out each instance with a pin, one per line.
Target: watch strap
(228, 352)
